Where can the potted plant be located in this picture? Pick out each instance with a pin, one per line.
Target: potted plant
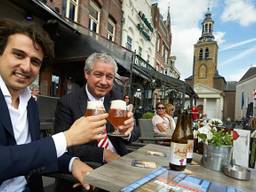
(148, 115)
(217, 144)
(146, 126)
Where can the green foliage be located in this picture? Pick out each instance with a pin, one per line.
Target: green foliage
(221, 137)
(148, 115)
(212, 133)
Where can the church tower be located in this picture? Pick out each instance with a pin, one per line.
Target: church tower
(205, 54)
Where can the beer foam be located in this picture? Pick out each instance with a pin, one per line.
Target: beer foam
(95, 105)
(118, 104)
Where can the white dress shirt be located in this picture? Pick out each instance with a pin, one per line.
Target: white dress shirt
(22, 136)
(92, 98)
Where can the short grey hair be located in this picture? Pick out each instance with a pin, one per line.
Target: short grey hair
(103, 57)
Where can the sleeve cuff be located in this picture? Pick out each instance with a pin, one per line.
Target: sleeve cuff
(60, 143)
(71, 163)
(127, 137)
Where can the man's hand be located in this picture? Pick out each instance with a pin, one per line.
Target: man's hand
(86, 129)
(128, 126)
(79, 170)
(109, 156)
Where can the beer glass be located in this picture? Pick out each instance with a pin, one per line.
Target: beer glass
(95, 108)
(117, 115)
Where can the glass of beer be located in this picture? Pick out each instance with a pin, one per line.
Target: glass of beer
(117, 115)
(95, 108)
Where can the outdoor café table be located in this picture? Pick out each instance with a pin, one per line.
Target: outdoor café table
(118, 174)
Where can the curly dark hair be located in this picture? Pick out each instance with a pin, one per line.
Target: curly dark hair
(39, 37)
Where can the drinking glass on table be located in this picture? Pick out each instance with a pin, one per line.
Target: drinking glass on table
(117, 116)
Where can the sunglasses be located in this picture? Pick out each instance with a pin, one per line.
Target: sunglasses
(126, 98)
(160, 107)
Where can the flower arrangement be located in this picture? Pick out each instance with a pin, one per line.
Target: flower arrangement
(212, 132)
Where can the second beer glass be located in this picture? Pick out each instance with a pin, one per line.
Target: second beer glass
(117, 115)
(94, 108)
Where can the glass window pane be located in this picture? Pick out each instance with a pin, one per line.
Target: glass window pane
(72, 12)
(110, 28)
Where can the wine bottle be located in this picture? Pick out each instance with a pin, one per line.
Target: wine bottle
(178, 155)
(189, 135)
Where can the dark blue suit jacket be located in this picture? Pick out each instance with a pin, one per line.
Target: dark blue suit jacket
(30, 159)
(71, 107)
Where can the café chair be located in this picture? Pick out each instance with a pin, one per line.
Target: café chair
(147, 133)
(46, 109)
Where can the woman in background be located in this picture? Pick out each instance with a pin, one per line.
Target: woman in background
(169, 109)
(129, 106)
(161, 122)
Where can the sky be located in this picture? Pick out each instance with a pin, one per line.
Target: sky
(234, 30)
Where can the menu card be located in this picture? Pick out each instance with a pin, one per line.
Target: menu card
(165, 180)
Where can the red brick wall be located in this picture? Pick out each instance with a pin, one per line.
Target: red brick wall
(111, 8)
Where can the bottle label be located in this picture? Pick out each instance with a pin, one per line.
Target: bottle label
(190, 148)
(178, 154)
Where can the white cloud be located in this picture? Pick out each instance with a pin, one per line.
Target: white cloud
(219, 37)
(183, 49)
(242, 11)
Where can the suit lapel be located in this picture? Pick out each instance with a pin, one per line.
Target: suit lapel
(82, 102)
(31, 113)
(107, 102)
(5, 116)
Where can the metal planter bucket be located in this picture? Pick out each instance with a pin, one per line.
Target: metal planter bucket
(215, 157)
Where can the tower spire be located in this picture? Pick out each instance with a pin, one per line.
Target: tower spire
(168, 19)
(207, 27)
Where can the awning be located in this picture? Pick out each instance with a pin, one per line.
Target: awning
(72, 41)
(168, 81)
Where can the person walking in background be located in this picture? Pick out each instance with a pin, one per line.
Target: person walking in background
(195, 113)
(24, 48)
(128, 104)
(71, 86)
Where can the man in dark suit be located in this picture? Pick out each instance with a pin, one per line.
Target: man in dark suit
(24, 156)
(99, 72)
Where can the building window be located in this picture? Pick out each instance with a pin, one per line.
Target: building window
(94, 17)
(129, 43)
(206, 28)
(158, 44)
(206, 54)
(140, 51)
(210, 28)
(166, 56)
(111, 30)
(163, 51)
(70, 9)
(148, 58)
(202, 72)
(201, 54)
